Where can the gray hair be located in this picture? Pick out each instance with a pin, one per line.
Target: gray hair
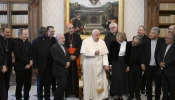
(95, 30)
(58, 35)
(115, 24)
(156, 29)
(143, 27)
(20, 31)
(139, 38)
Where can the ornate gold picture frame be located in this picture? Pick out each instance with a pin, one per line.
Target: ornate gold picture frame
(120, 16)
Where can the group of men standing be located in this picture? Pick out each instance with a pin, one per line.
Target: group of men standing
(38, 54)
(56, 59)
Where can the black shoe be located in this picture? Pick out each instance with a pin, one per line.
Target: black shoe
(143, 91)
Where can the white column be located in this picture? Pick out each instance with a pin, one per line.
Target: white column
(53, 14)
(133, 17)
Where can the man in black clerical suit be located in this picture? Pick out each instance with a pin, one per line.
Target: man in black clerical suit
(61, 63)
(135, 72)
(145, 39)
(166, 60)
(23, 64)
(73, 44)
(112, 35)
(42, 59)
(109, 37)
(150, 51)
(3, 69)
(7, 43)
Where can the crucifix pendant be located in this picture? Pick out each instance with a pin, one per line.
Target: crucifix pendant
(70, 45)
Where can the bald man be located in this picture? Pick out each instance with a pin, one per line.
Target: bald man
(61, 63)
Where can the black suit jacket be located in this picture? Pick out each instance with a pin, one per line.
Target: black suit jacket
(76, 43)
(146, 51)
(109, 37)
(23, 54)
(114, 51)
(169, 60)
(41, 52)
(2, 57)
(8, 53)
(59, 60)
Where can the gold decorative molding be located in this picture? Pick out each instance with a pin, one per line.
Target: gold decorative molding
(121, 16)
(66, 13)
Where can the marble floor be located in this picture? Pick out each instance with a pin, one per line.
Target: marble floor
(33, 95)
(33, 91)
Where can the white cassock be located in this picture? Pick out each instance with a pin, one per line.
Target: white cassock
(94, 75)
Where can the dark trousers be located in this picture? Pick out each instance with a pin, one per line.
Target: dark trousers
(7, 79)
(3, 95)
(72, 80)
(45, 81)
(53, 84)
(143, 81)
(135, 80)
(38, 87)
(23, 77)
(61, 86)
(168, 85)
(151, 74)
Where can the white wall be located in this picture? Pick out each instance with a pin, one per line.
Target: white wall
(133, 17)
(53, 14)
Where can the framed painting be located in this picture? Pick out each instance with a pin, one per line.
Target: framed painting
(87, 15)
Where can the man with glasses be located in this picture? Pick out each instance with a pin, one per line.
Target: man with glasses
(50, 33)
(150, 52)
(109, 37)
(42, 59)
(112, 35)
(135, 73)
(166, 59)
(171, 29)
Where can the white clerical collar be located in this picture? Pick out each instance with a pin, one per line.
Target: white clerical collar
(154, 39)
(122, 42)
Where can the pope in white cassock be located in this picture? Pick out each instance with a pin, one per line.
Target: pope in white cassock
(95, 62)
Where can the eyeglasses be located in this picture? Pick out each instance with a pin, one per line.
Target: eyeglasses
(111, 27)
